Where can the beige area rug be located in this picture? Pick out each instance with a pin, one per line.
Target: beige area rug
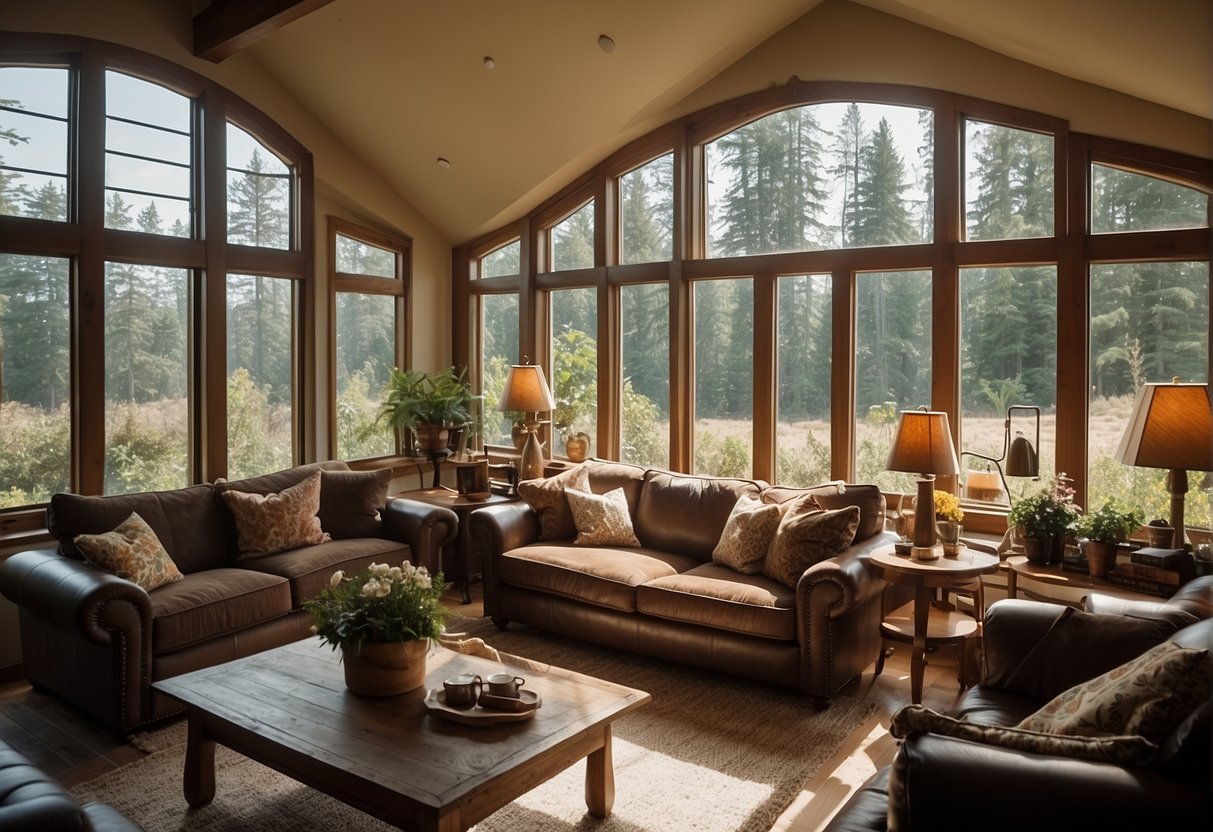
(710, 753)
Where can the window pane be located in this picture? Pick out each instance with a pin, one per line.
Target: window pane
(893, 366)
(645, 356)
(146, 378)
(575, 364)
(365, 352)
(148, 174)
(33, 135)
(35, 414)
(1008, 354)
(819, 177)
(802, 439)
(646, 197)
(498, 350)
(724, 377)
(1009, 182)
(502, 261)
(1126, 201)
(357, 257)
(258, 193)
(260, 388)
(573, 240)
(1149, 322)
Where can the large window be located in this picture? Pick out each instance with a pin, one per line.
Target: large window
(117, 328)
(803, 382)
(645, 357)
(575, 363)
(498, 350)
(1008, 184)
(724, 377)
(571, 241)
(646, 212)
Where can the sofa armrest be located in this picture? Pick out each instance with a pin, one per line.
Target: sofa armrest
(78, 598)
(839, 583)
(495, 530)
(424, 527)
(933, 777)
(1012, 628)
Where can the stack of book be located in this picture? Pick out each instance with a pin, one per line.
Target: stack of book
(1155, 571)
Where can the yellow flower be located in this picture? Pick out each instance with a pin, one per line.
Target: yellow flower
(947, 507)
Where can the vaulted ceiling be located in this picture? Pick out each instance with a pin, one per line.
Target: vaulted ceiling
(404, 83)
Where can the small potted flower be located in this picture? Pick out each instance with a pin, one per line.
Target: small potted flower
(948, 516)
(382, 619)
(1104, 528)
(1045, 518)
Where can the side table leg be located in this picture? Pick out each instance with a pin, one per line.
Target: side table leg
(199, 781)
(918, 658)
(600, 778)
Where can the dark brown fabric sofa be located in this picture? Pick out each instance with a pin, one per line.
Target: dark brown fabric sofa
(99, 641)
(668, 599)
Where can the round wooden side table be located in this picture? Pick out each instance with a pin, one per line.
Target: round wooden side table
(926, 577)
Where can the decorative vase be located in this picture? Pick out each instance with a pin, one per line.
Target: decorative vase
(384, 669)
(1100, 558)
(1044, 550)
(431, 438)
(949, 533)
(577, 446)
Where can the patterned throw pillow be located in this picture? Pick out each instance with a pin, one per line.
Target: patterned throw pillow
(1147, 697)
(546, 497)
(602, 519)
(807, 535)
(747, 535)
(275, 522)
(1124, 751)
(131, 551)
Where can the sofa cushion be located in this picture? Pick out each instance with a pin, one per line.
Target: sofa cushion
(716, 596)
(607, 476)
(685, 514)
(131, 551)
(747, 536)
(546, 498)
(268, 484)
(187, 521)
(601, 519)
(350, 502)
(309, 568)
(835, 495)
(597, 575)
(214, 603)
(808, 537)
(268, 523)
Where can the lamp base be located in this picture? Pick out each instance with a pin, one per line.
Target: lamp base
(530, 465)
(926, 552)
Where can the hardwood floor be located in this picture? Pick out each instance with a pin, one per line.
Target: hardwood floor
(73, 750)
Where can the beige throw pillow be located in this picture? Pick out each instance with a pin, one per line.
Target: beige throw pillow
(1147, 697)
(807, 535)
(131, 551)
(602, 519)
(546, 497)
(275, 522)
(747, 535)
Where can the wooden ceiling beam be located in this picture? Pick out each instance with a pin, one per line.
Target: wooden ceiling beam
(226, 26)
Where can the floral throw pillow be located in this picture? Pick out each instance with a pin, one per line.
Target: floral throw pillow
(546, 497)
(747, 535)
(268, 523)
(131, 551)
(1147, 697)
(807, 535)
(602, 519)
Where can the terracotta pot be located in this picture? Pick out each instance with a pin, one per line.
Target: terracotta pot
(431, 438)
(1044, 550)
(385, 669)
(1100, 558)
(577, 446)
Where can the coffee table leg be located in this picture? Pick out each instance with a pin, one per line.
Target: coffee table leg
(600, 778)
(199, 783)
(918, 659)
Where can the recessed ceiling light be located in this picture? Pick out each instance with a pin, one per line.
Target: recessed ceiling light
(606, 44)
(489, 63)
(444, 162)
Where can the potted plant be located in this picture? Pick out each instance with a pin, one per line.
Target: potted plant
(382, 619)
(1104, 528)
(948, 516)
(1045, 519)
(428, 404)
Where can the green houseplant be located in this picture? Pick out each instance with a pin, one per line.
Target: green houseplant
(428, 404)
(1105, 527)
(1045, 518)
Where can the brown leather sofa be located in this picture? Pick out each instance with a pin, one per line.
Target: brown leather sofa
(99, 641)
(944, 783)
(29, 799)
(667, 598)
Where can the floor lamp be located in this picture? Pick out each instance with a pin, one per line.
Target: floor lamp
(923, 446)
(1172, 428)
(526, 390)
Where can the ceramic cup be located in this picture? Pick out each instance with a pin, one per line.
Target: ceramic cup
(505, 684)
(462, 691)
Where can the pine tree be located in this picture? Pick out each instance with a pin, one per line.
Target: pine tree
(258, 212)
(881, 215)
(847, 148)
(573, 241)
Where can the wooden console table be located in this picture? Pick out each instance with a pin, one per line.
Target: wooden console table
(1019, 568)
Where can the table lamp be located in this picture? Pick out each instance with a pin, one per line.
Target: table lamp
(1172, 428)
(923, 446)
(526, 390)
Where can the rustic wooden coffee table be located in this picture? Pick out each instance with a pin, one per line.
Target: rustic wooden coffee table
(288, 708)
